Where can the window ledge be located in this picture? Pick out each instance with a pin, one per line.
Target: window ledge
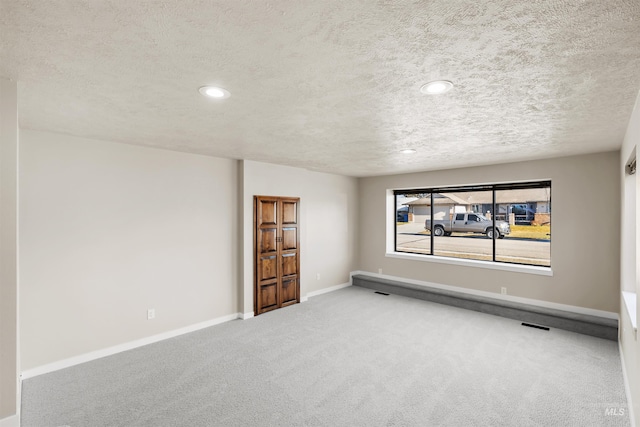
(630, 301)
(529, 269)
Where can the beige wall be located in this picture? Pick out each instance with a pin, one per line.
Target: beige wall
(328, 223)
(109, 230)
(9, 387)
(585, 248)
(630, 240)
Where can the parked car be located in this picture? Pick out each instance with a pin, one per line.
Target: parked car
(468, 222)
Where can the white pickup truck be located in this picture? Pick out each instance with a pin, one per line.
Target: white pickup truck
(468, 222)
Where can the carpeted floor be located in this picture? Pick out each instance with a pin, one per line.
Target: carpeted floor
(346, 358)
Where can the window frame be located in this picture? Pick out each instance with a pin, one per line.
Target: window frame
(494, 263)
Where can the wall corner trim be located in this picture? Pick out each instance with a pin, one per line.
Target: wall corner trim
(627, 387)
(12, 421)
(630, 301)
(98, 354)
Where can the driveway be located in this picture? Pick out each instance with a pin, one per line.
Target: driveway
(411, 227)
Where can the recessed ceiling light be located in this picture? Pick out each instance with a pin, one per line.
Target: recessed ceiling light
(408, 151)
(214, 92)
(436, 87)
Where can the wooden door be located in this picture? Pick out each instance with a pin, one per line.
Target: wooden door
(277, 252)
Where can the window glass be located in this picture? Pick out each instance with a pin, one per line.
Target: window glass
(466, 235)
(411, 212)
(464, 224)
(528, 213)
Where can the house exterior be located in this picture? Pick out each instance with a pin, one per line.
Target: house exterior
(527, 206)
(443, 207)
(402, 210)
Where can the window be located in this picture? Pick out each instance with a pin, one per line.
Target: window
(501, 223)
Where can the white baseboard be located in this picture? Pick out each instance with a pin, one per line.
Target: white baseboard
(627, 388)
(87, 357)
(310, 295)
(327, 290)
(248, 315)
(12, 421)
(535, 302)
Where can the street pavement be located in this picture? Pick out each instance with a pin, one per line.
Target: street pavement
(474, 246)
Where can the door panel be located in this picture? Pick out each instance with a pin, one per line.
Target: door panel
(276, 253)
(289, 238)
(268, 211)
(290, 212)
(289, 291)
(269, 268)
(268, 297)
(268, 240)
(289, 264)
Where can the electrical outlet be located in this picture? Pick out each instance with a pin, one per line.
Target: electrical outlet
(503, 290)
(317, 276)
(151, 314)
(379, 271)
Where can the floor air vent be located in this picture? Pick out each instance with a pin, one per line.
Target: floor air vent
(544, 328)
(381, 293)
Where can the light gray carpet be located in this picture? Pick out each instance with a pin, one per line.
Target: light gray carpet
(347, 358)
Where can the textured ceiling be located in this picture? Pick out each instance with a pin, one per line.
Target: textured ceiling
(330, 85)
